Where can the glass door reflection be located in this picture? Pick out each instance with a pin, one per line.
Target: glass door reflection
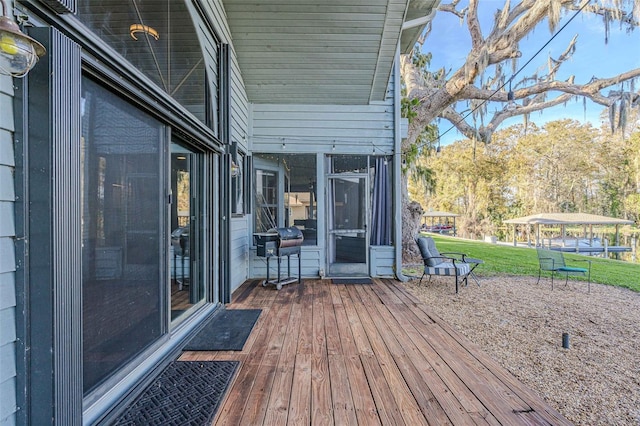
(184, 252)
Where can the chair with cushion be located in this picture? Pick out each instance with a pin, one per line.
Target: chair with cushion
(553, 261)
(446, 264)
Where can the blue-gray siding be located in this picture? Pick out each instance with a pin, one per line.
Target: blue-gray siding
(239, 251)
(239, 115)
(324, 128)
(382, 261)
(7, 259)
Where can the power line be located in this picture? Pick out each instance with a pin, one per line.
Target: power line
(514, 74)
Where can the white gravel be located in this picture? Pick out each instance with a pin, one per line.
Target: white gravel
(520, 324)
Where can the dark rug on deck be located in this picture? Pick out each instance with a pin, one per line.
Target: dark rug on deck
(185, 393)
(226, 331)
(351, 281)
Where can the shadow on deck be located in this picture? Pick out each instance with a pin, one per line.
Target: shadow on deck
(324, 353)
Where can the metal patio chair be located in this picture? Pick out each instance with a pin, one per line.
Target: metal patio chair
(553, 261)
(445, 264)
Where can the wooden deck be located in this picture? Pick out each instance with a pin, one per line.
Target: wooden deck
(367, 354)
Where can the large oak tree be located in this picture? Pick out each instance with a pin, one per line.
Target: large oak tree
(486, 75)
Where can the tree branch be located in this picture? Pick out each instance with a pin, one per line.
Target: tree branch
(590, 90)
(474, 25)
(506, 113)
(451, 8)
(458, 121)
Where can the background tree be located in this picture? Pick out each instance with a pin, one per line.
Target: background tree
(483, 76)
(563, 166)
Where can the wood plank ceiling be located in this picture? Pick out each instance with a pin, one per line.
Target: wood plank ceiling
(318, 52)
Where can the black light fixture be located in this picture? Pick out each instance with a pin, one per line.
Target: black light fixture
(18, 52)
(511, 105)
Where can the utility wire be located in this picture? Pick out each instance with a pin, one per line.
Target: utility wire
(511, 78)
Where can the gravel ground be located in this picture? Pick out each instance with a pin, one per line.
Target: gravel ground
(520, 324)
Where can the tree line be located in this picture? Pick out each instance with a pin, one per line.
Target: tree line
(564, 166)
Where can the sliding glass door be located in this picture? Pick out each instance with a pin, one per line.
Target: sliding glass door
(123, 214)
(142, 239)
(186, 284)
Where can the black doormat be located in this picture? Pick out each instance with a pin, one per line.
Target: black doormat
(351, 281)
(185, 393)
(226, 331)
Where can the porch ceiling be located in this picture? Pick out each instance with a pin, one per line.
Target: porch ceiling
(310, 52)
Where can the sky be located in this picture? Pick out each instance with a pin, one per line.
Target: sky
(449, 43)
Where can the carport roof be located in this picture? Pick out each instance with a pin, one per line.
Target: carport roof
(568, 219)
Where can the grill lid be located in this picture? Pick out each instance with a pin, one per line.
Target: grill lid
(289, 237)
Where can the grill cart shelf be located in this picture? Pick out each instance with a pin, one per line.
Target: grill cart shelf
(280, 242)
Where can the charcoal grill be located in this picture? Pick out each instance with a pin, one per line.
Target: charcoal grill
(278, 243)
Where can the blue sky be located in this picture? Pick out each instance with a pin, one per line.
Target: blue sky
(449, 43)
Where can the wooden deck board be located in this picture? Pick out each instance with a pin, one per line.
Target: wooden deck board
(335, 354)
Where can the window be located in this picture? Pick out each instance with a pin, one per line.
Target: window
(187, 286)
(158, 38)
(286, 193)
(266, 216)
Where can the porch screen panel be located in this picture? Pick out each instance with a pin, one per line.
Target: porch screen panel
(122, 243)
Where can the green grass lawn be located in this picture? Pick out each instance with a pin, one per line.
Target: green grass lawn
(503, 259)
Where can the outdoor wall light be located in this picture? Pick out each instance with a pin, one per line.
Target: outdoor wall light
(235, 169)
(18, 52)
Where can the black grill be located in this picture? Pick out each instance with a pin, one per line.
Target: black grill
(280, 242)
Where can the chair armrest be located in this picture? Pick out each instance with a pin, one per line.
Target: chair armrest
(582, 260)
(440, 257)
(451, 255)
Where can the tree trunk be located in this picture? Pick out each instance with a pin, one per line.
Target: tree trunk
(411, 215)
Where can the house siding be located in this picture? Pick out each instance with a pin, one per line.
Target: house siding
(353, 129)
(310, 259)
(239, 251)
(324, 129)
(7, 258)
(239, 115)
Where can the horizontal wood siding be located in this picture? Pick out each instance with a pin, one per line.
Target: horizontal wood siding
(309, 257)
(354, 129)
(239, 106)
(215, 12)
(7, 258)
(239, 116)
(382, 261)
(239, 251)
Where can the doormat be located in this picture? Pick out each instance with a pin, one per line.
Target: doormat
(185, 393)
(351, 281)
(226, 331)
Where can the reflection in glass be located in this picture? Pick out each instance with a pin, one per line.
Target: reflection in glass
(167, 51)
(266, 200)
(349, 164)
(237, 185)
(122, 243)
(186, 285)
(300, 191)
